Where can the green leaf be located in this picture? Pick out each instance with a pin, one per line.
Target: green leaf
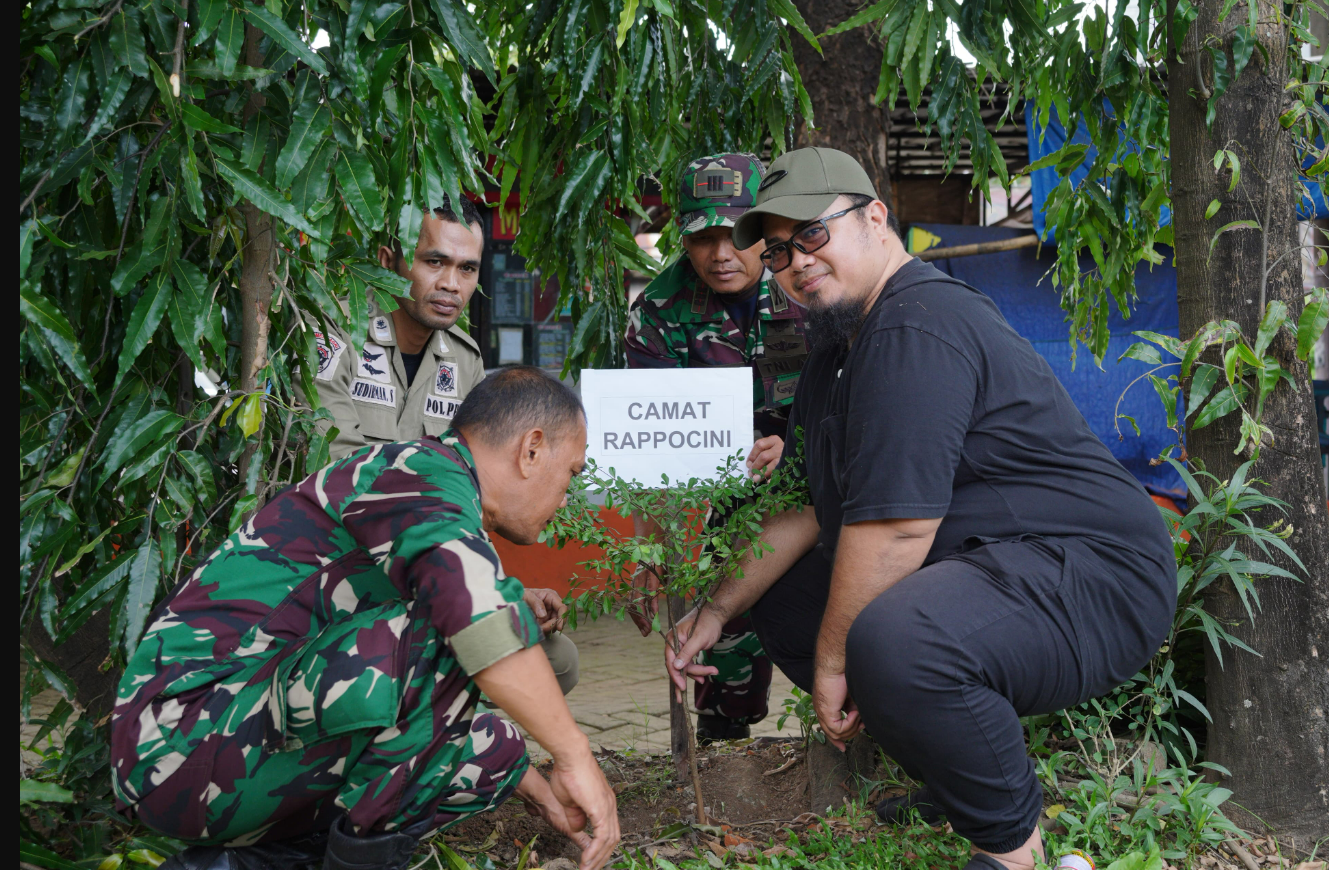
(40, 856)
(1231, 225)
(143, 323)
(1227, 400)
(134, 433)
(32, 791)
(875, 12)
(625, 19)
(111, 99)
(373, 273)
(230, 39)
(312, 121)
(1275, 314)
(197, 119)
(284, 36)
(789, 12)
(255, 189)
(1145, 353)
(1311, 325)
(1212, 210)
(250, 417)
(39, 311)
(238, 73)
(209, 16)
(144, 575)
(464, 35)
(126, 41)
(355, 177)
(1206, 376)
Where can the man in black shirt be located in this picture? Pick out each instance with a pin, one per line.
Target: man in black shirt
(975, 554)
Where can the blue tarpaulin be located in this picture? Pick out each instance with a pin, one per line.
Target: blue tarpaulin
(1012, 280)
(1043, 181)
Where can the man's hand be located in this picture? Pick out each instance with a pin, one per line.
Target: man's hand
(836, 711)
(764, 456)
(548, 607)
(586, 797)
(579, 794)
(693, 634)
(642, 609)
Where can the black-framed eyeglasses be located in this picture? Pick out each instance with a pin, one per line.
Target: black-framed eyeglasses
(812, 236)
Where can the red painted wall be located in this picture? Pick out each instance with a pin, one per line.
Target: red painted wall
(541, 566)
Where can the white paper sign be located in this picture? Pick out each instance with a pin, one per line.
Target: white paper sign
(682, 423)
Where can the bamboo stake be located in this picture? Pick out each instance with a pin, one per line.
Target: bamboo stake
(1014, 244)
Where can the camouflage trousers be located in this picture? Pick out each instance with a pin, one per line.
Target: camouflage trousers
(381, 726)
(742, 689)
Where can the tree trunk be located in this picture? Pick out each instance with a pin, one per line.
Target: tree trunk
(679, 745)
(841, 83)
(256, 265)
(1269, 711)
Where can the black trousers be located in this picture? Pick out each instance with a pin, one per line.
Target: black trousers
(944, 663)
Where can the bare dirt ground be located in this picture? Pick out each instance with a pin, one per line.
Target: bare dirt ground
(746, 799)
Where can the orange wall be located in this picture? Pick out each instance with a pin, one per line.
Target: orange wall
(541, 566)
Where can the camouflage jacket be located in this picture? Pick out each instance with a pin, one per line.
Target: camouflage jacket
(679, 322)
(390, 522)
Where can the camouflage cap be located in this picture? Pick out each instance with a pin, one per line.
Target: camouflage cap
(715, 191)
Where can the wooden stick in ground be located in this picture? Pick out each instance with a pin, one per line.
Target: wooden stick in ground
(1016, 243)
(683, 740)
(1245, 857)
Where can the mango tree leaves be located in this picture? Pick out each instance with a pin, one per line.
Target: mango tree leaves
(39, 311)
(143, 576)
(355, 177)
(311, 123)
(143, 323)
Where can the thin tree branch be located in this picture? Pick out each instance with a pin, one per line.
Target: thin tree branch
(100, 21)
(129, 210)
(36, 188)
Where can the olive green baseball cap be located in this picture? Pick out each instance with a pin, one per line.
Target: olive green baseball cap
(800, 185)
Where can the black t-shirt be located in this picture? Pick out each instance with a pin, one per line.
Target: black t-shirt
(939, 409)
(411, 362)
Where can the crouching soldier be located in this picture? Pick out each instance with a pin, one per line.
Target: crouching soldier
(307, 697)
(416, 368)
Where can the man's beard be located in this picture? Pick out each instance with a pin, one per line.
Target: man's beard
(834, 324)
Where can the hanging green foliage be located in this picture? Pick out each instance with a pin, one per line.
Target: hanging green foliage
(204, 185)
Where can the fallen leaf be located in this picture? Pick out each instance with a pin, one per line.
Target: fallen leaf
(732, 840)
(781, 849)
(1055, 810)
(716, 847)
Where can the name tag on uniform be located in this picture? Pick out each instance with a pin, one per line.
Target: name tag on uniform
(329, 354)
(441, 409)
(378, 394)
(373, 364)
(445, 382)
(782, 391)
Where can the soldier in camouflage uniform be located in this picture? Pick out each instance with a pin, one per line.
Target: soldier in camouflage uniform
(717, 306)
(308, 694)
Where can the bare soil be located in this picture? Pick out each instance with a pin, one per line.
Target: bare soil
(741, 792)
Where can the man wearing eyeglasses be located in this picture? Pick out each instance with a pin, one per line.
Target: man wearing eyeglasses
(716, 306)
(975, 554)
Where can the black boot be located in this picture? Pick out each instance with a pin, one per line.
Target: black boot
(391, 851)
(711, 728)
(301, 853)
(896, 810)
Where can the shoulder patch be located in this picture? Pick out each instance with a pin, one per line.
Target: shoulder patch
(445, 382)
(382, 327)
(330, 349)
(373, 364)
